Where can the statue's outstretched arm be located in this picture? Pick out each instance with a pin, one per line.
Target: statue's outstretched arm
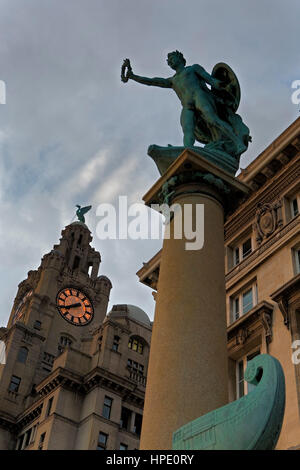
(206, 76)
(156, 81)
(126, 74)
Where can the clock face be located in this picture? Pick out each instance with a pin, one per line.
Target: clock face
(21, 307)
(74, 306)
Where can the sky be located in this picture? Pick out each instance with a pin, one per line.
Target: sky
(72, 133)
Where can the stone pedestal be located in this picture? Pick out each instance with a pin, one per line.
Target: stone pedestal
(187, 375)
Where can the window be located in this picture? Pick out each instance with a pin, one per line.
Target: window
(50, 402)
(125, 418)
(123, 446)
(243, 302)
(102, 441)
(107, 407)
(23, 441)
(297, 260)
(47, 363)
(37, 325)
(246, 248)
(22, 356)
(138, 424)
(244, 387)
(136, 345)
(135, 366)
(33, 433)
(294, 207)
(14, 383)
(236, 308)
(241, 251)
(236, 256)
(20, 442)
(76, 262)
(100, 342)
(27, 438)
(64, 342)
(41, 441)
(116, 343)
(247, 300)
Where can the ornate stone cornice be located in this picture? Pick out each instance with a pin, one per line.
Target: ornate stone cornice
(7, 422)
(285, 295)
(84, 384)
(124, 386)
(29, 417)
(258, 318)
(281, 150)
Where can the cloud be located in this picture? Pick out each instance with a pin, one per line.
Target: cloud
(72, 133)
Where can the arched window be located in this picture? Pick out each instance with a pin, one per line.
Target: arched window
(22, 355)
(136, 345)
(65, 341)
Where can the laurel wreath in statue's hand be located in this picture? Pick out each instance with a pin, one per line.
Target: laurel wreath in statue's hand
(126, 71)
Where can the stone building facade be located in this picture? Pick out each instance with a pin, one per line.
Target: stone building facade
(262, 260)
(74, 376)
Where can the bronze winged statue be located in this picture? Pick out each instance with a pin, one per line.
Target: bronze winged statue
(209, 104)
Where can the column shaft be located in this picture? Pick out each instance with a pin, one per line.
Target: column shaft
(188, 367)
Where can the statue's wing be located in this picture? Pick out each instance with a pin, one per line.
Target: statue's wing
(230, 94)
(85, 209)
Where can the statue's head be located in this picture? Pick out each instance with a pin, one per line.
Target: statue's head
(175, 58)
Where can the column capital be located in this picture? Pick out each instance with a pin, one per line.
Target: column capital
(193, 173)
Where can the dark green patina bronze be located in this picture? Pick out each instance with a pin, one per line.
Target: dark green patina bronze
(251, 423)
(208, 114)
(81, 211)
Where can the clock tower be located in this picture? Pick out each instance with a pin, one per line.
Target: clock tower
(75, 375)
(57, 306)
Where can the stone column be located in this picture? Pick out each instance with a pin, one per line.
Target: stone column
(188, 368)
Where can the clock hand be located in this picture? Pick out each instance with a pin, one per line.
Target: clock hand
(73, 305)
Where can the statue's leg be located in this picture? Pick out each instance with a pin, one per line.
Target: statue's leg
(212, 120)
(187, 121)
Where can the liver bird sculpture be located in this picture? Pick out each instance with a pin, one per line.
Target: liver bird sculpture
(81, 211)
